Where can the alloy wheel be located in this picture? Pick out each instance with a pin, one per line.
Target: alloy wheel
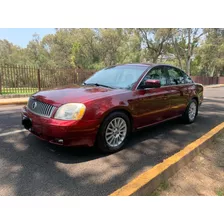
(116, 132)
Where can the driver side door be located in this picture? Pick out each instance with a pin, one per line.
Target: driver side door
(151, 105)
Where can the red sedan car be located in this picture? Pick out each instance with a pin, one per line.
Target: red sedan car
(111, 104)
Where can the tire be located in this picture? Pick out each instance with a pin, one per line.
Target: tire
(191, 112)
(109, 134)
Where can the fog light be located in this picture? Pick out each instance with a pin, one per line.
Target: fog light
(59, 140)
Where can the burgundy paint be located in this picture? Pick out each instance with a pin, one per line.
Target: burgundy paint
(145, 107)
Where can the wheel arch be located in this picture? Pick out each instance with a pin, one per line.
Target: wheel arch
(118, 109)
(195, 98)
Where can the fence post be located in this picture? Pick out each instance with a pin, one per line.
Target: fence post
(74, 76)
(38, 79)
(77, 77)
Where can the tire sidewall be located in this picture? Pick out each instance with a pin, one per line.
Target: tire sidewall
(187, 111)
(101, 141)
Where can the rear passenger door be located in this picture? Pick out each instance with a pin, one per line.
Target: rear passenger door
(180, 88)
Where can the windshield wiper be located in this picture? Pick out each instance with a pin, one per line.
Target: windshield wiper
(97, 84)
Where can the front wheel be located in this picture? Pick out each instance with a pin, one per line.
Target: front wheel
(191, 112)
(113, 132)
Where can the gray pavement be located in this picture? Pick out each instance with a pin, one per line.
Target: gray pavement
(29, 166)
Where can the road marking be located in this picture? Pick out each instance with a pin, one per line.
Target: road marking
(146, 178)
(12, 132)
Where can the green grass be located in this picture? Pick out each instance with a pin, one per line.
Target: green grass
(6, 91)
(220, 192)
(162, 187)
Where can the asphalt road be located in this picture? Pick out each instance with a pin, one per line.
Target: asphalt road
(29, 166)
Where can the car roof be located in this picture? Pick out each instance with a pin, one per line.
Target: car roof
(143, 64)
(140, 64)
(148, 65)
(136, 64)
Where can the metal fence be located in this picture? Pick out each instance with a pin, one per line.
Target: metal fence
(27, 80)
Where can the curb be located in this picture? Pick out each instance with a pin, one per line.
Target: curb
(215, 86)
(148, 181)
(13, 101)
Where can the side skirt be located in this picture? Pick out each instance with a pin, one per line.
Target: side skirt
(145, 126)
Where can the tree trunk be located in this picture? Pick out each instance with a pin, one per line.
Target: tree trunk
(189, 66)
(177, 53)
(189, 52)
(212, 72)
(155, 58)
(179, 62)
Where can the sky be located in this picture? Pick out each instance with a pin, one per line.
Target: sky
(22, 36)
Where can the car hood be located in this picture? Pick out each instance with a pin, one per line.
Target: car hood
(57, 97)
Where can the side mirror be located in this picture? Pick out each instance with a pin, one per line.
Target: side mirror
(152, 83)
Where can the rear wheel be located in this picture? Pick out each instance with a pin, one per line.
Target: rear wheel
(113, 132)
(191, 112)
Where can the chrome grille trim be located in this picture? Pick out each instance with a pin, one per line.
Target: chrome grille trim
(41, 109)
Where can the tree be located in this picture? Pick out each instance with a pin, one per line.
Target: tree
(154, 42)
(12, 54)
(85, 49)
(37, 53)
(110, 40)
(211, 53)
(184, 42)
(193, 49)
(130, 49)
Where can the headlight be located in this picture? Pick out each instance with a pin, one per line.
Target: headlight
(70, 111)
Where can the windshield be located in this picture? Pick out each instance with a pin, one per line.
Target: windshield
(117, 77)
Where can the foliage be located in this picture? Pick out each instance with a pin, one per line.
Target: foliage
(197, 51)
(211, 53)
(154, 42)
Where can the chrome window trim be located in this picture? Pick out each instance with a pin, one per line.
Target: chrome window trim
(168, 86)
(150, 68)
(185, 84)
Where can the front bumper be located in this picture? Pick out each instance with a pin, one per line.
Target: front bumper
(67, 133)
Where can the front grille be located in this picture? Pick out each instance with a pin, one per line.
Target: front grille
(40, 108)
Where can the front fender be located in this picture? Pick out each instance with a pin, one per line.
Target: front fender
(100, 108)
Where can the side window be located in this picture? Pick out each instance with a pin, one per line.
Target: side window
(187, 78)
(156, 73)
(176, 77)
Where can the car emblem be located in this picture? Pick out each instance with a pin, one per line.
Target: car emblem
(34, 105)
